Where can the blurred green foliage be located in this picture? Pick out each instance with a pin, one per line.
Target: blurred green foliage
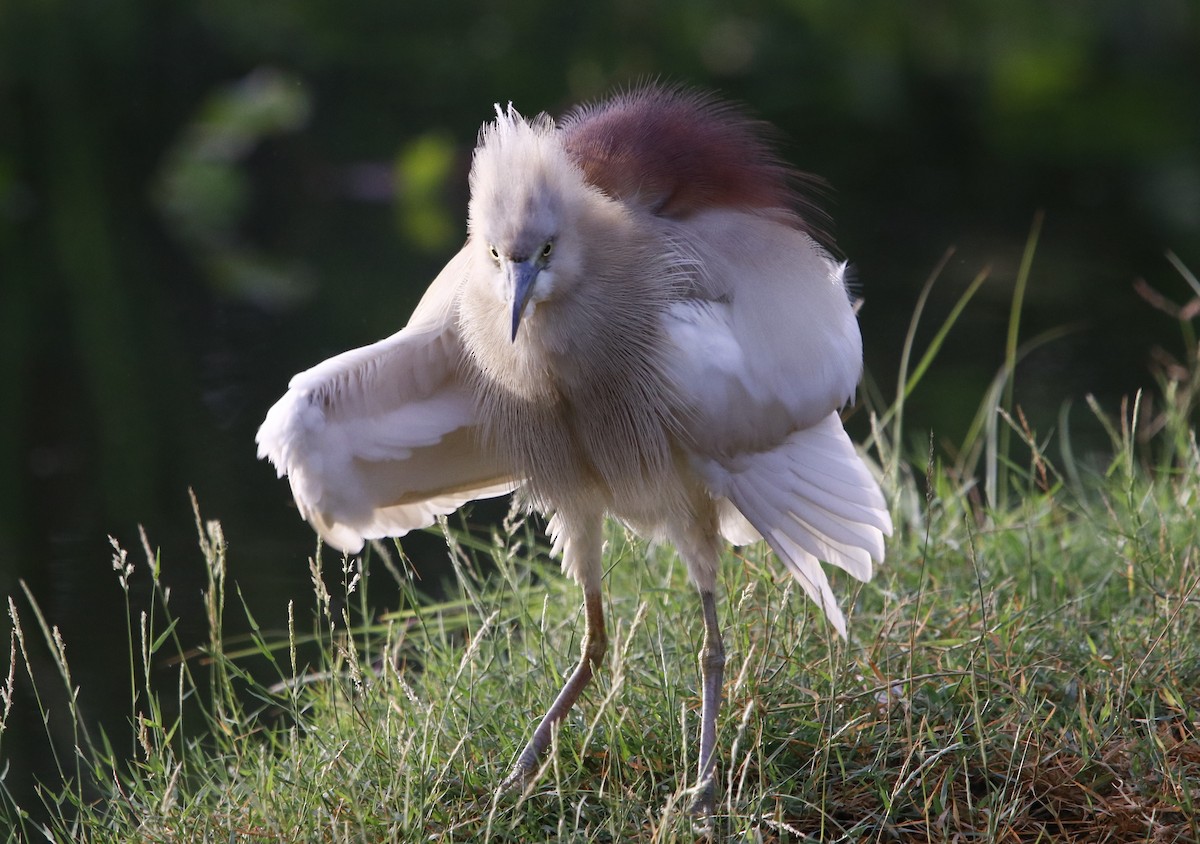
(203, 190)
(423, 169)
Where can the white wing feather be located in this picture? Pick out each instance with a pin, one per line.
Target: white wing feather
(380, 440)
(760, 370)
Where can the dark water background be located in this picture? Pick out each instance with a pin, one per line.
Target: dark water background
(199, 199)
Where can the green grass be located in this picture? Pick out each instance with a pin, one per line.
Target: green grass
(1023, 673)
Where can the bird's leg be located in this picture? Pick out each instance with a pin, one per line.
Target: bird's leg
(595, 645)
(712, 670)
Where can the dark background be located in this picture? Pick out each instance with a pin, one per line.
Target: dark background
(198, 199)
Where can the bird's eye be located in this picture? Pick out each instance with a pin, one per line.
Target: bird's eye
(495, 253)
(548, 248)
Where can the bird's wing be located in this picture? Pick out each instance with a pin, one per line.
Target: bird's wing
(380, 440)
(759, 374)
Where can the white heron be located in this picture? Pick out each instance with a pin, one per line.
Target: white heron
(639, 326)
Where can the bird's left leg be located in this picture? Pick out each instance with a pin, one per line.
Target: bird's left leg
(582, 560)
(712, 672)
(699, 545)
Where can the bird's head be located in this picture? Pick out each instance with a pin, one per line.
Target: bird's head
(526, 204)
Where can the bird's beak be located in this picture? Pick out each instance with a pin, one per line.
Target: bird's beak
(521, 276)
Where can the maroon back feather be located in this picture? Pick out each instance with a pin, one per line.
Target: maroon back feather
(677, 152)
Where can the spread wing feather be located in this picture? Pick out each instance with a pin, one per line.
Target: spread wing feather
(381, 440)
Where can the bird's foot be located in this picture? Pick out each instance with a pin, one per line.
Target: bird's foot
(703, 800)
(517, 779)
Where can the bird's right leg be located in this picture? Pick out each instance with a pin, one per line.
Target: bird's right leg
(582, 559)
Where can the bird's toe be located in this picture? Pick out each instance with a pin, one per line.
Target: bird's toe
(703, 799)
(517, 779)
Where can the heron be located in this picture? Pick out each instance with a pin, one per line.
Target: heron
(642, 325)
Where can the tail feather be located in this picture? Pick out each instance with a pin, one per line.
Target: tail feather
(771, 519)
(807, 571)
(813, 499)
